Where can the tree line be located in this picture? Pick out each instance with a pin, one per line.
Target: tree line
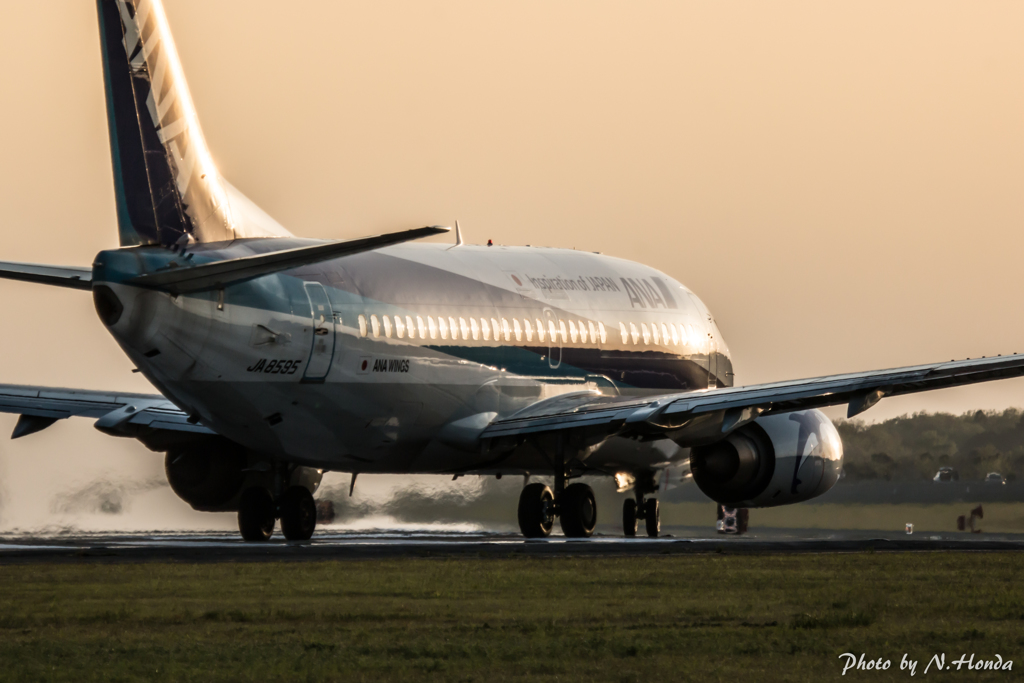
(914, 447)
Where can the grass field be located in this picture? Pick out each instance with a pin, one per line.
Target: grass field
(708, 617)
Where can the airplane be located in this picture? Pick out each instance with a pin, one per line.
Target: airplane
(278, 358)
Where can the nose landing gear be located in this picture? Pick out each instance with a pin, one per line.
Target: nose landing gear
(641, 508)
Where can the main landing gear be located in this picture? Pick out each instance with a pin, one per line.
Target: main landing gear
(576, 510)
(574, 505)
(647, 510)
(258, 511)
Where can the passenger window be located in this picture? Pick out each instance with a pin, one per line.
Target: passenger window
(593, 335)
(420, 328)
(475, 329)
(624, 333)
(375, 325)
(561, 329)
(443, 326)
(496, 328)
(634, 334)
(675, 335)
(486, 327)
(399, 327)
(518, 330)
(583, 332)
(664, 333)
(552, 332)
(410, 326)
(604, 333)
(464, 329)
(646, 333)
(431, 327)
(453, 328)
(529, 330)
(572, 331)
(362, 325)
(387, 326)
(655, 334)
(506, 330)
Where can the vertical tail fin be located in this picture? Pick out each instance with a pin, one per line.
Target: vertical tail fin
(167, 187)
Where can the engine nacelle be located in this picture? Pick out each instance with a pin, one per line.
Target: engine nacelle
(774, 460)
(210, 476)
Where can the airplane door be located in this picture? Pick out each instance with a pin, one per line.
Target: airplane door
(712, 359)
(710, 343)
(554, 341)
(322, 351)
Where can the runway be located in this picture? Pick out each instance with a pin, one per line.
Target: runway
(398, 543)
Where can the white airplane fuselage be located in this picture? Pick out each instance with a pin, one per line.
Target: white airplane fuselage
(362, 364)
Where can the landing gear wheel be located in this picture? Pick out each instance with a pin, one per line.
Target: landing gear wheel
(256, 514)
(651, 517)
(629, 517)
(578, 511)
(535, 518)
(298, 513)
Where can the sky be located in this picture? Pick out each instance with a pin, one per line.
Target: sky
(839, 182)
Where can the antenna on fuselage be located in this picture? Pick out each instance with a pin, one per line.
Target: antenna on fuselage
(458, 235)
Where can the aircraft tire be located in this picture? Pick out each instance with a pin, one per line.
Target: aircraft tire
(629, 518)
(535, 519)
(256, 514)
(298, 514)
(652, 517)
(578, 511)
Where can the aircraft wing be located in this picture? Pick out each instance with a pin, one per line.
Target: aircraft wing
(666, 413)
(40, 407)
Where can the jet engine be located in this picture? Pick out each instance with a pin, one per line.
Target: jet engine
(211, 475)
(774, 460)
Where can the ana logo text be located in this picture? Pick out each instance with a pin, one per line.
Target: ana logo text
(391, 365)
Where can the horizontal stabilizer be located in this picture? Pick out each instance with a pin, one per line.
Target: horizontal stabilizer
(207, 276)
(61, 276)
